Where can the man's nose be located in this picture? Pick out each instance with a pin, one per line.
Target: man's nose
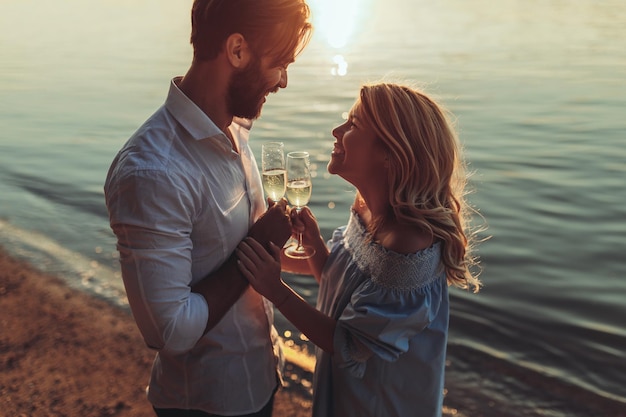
(283, 78)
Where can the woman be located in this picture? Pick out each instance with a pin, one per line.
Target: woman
(381, 321)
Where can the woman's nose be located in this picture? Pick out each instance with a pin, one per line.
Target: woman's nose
(340, 130)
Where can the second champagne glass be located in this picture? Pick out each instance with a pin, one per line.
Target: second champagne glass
(274, 173)
(299, 193)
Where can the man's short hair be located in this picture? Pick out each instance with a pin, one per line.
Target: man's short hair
(279, 28)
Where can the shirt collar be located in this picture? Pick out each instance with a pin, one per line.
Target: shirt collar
(192, 118)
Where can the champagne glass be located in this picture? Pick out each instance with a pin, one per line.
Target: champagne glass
(273, 168)
(298, 193)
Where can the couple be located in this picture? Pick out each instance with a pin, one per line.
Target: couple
(200, 255)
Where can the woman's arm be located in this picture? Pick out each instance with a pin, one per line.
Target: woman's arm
(262, 269)
(317, 326)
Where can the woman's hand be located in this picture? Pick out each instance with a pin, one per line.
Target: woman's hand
(305, 222)
(262, 269)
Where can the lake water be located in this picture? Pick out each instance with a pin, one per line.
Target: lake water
(539, 89)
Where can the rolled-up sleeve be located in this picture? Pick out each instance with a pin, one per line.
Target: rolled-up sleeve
(151, 215)
(381, 321)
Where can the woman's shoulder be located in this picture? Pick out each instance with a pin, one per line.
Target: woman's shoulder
(404, 239)
(393, 269)
(400, 238)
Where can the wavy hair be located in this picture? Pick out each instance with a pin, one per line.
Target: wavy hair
(427, 176)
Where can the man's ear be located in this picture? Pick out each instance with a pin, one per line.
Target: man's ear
(237, 50)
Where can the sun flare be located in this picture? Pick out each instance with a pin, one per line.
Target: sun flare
(335, 19)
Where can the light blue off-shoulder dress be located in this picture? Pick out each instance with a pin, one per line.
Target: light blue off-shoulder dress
(392, 314)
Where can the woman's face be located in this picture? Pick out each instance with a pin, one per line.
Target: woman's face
(359, 156)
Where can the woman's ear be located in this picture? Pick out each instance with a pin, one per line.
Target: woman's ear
(237, 50)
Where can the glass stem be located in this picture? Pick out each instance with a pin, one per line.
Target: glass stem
(300, 247)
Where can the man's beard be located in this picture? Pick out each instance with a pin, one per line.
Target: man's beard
(247, 90)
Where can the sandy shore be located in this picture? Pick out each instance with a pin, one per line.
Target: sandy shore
(64, 353)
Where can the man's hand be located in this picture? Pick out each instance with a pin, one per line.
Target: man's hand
(273, 226)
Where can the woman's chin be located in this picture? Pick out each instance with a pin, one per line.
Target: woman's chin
(332, 165)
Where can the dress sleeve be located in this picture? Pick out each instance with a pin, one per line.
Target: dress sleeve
(150, 215)
(380, 321)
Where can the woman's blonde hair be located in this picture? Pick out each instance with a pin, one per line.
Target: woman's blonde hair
(427, 176)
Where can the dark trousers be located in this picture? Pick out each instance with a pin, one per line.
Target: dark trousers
(174, 412)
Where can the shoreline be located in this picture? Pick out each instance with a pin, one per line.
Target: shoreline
(66, 353)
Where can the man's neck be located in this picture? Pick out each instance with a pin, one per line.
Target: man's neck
(206, 84)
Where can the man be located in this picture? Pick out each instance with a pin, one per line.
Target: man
(184, 191)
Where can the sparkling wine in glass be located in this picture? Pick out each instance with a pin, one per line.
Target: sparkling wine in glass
(273, 170)
(299, 193)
